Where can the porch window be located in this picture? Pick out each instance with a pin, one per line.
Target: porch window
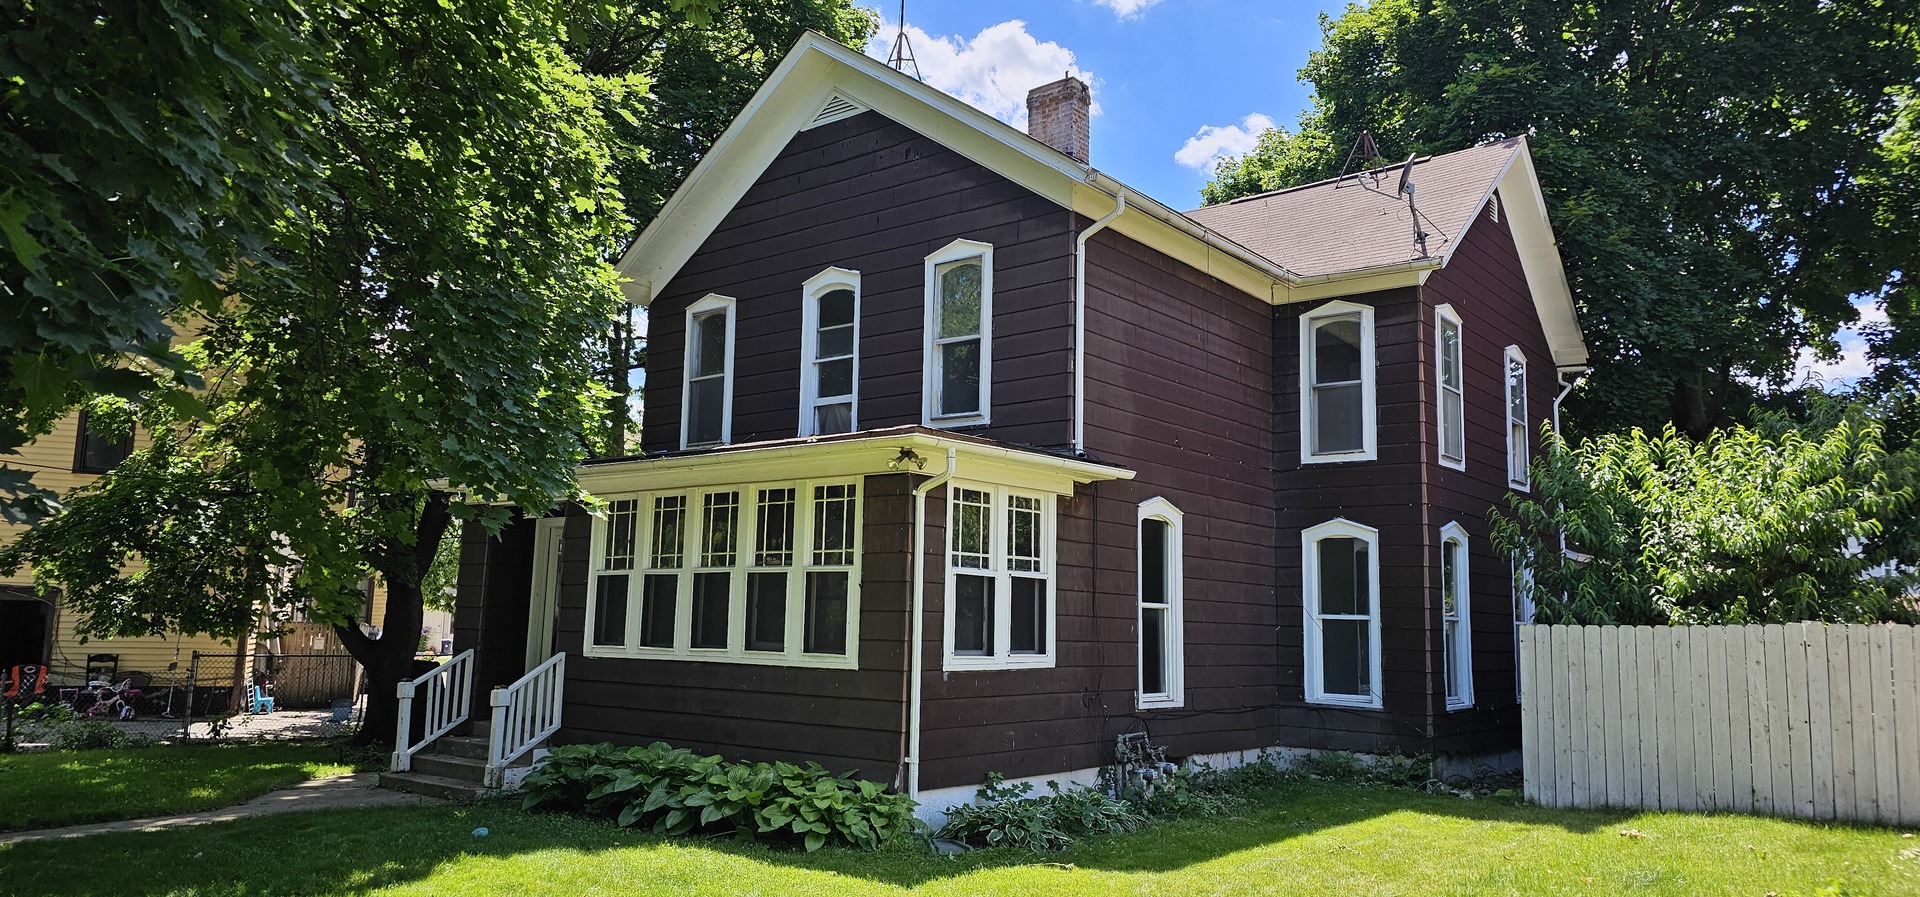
(1161, 570)
(761, 573)
(1456, 621)
(959, 335)
(1342, 608)
(1337, 384)
(1450, 394)
(999, 578)
(829, 353)
(706, 412)
(613, 574)
(1517, 426)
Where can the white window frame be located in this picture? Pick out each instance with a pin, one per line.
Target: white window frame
(1310, 607)
(709, 303)
(998, 568)
(1518, 449)
(958, 250)
(1523, 611)
(1369, 408)
(812, 291)
(1174, 633)
(746, 528)
(1442, 316)
(1460, 656)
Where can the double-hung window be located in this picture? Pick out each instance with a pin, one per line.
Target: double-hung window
(959, 330)
(753, 573)
(1342, 607)
(98, 449)
(1450, 391)
(1162, 649)
(1517, 426)
(829, 353)
(999, 577)
(706, 412)
(1456, 621)
(1337, 411)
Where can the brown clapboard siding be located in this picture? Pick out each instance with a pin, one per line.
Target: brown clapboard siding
(1487, 287)
(871, 195)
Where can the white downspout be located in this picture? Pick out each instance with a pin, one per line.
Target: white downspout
(1560, 376)
(1080, 321)
(915, 647)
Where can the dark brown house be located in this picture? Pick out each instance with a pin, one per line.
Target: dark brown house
(963, 457)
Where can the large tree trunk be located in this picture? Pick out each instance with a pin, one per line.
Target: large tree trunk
(388, 660)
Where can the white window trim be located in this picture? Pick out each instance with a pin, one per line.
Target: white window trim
(1463, 601)
(1003, 587)
(746, 527)
(1524, 482)
(815, 287)
(1444, 314)
(1158, 508)
(707, 303)
(1523, 611)
(1369, 408)
(1310, 602)
(930, 375)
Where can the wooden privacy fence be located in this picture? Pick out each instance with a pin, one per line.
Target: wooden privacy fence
(1803, 719)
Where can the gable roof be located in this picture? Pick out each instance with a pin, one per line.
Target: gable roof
(820, 78)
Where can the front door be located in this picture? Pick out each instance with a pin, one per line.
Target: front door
(545, 591)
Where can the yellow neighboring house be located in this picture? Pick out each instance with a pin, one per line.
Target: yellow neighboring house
(33, 627)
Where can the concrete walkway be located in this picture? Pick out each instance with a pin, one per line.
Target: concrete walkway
(352, 790)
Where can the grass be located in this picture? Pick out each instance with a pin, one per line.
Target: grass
(1309, 839)
(55, 788)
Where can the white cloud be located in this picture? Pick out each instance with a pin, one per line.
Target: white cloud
(991, 71)
(1127, 9)
(1853, 362)
(1205, 149)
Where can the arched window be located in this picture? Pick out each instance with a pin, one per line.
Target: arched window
(706, 394)
(1162, 573)
(830, 353)
(1337, 412)
(1342, 607)
(1456, 621)
(1449, 381)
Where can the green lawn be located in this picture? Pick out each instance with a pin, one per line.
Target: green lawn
(55, 788)
(1310, 839)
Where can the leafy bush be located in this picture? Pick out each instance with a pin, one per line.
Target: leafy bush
(1009, 816)
(87, 735)
(674, 791)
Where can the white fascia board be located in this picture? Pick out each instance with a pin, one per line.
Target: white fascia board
(1526, 209)
(845, 457)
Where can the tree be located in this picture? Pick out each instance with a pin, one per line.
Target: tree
(145, 149)
(1722, 179)
(425, 340)
(1771, 524)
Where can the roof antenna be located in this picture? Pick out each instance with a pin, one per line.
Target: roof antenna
(902, 54)
(1364, 150)
(1406, 186)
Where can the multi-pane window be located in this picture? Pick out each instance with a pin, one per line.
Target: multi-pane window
(1451, 395)
(1342, 609)
(829, 350)
(1162, 558)
(1456, 632)
(707, 408)
(999, 582)
(99, 449)
(959, 334)
(1336, 394)
(1517, 427)
(763, 573)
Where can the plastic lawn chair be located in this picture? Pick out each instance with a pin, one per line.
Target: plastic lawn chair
(260, 701)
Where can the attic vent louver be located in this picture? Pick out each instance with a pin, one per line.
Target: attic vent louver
(837, 108)
(1493, 208)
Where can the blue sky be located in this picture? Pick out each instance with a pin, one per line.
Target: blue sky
(1176, 83)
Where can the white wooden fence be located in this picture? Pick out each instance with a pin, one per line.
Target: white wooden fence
(1803, 719)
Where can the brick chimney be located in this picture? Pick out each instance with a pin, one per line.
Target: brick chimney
(1059, 115)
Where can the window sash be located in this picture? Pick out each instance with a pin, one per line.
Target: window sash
(830, 350)
(1343, 649)
(1450, 380)
(958, 335)
(1000, 583)
(1518, 476)
(1337, 401)
(1160, 560)
(1456, 610)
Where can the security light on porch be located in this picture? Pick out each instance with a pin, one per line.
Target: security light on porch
(907, 456)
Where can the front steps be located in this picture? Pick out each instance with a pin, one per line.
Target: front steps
(453, 768)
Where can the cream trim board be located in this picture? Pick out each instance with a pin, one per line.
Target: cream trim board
(712, 302)
(1369, 406)
(816, 288)
(1175, 637)
(1442, 316)
(1461, 655)
(1310, 602)
(930, 396)
(1002, 576)
(548, 535)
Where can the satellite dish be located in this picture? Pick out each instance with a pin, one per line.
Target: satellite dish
(1406, 175)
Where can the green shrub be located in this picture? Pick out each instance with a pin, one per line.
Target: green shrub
(1009, 816)
(87, 735)
(674, 791)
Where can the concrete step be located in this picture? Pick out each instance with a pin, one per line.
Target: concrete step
(480, 727)
(471, 746)
(432, 786)
(448, 766)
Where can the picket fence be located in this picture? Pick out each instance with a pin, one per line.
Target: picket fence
(1803, 719)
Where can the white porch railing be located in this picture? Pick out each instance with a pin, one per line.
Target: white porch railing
(449, 692)
(524, 714)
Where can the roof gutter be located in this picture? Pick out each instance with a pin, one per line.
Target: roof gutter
(1105, 184)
